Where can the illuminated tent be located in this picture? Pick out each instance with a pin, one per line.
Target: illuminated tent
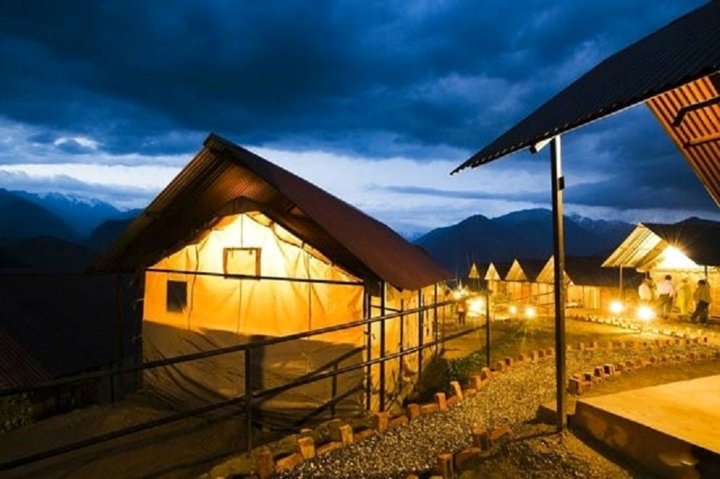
(689, 249)
(589, 285)
(236, 249)
(521, 280)
(495, 277)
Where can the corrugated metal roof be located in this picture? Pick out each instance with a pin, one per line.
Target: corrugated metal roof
(17, 366)
(223, 172)
(690, 115)
(681, 52)
(699, 240)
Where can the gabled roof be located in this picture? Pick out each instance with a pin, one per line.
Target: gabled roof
(531, 268)
(683, 51)
(497, 271)
(698, 239)
(222, 173)
(588, 271)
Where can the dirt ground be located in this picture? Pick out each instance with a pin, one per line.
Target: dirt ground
(191, 447)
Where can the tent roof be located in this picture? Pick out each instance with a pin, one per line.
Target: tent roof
(589, 271)
(683, 51)
(222, 173)
(532, 267)
(697, 239)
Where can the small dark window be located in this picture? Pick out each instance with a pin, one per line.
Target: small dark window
(176, 296)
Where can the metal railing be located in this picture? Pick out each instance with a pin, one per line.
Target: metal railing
(249, 395)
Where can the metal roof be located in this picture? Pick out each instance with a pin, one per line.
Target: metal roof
(222, 173)
(589, 271)
(684, 51)
(697, 239)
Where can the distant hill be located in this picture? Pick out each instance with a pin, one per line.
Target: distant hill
(21, 218)
(521, 234)
(82, 214)
(45, 253)
(105, 234)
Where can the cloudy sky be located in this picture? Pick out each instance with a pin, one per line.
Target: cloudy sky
(375, 101)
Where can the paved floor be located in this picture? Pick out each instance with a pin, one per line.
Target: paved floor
(687, 410)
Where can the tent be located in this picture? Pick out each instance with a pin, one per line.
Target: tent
(236, 249)
(684, 250)
(495, 277)
(589, 285)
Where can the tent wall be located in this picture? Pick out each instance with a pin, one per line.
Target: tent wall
(247, 306)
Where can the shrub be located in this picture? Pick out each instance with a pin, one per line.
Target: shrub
(15, 412)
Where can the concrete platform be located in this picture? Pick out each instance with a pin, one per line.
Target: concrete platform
(673, 429)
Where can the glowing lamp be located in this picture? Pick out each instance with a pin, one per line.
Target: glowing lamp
(530, 312)
(617, 307)
(457, 294)
(645, 313)
(476, 306)
(512, 309)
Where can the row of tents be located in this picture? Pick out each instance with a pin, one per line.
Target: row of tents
(687, 251)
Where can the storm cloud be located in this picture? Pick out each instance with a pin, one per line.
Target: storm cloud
(140, 83)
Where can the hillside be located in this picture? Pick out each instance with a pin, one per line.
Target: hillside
(21, 218)
(524, 234)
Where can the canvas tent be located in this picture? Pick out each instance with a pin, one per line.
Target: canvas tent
(495, 277)
(688, 249)
(521, 280)
(588, 284)
(235, 249)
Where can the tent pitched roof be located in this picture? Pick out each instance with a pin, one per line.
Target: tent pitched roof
(698, 240)
(683, 51)
(223, 172)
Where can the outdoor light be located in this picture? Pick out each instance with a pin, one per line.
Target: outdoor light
(530, 312)
(645, 313)
(512, 309)
(477, 306)
(674, 258)
(616, 307)
(457, 294)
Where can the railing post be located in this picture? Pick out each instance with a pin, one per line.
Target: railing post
(383, 306)
(334, 390)
(435, 317)
(487, 328)
(421, 334)
(248, 402)
(367, 305)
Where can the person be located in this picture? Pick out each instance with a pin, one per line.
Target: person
(666, 295)
(684, 298)
(461, 311)
(702, 301)
(645, 292)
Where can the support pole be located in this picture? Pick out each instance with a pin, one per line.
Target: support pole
(558, 184)
(367, 306)
(248, 401)
(622, 291)
(383, 306)
(487, 327)
(421, 334)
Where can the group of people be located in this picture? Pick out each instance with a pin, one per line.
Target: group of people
(666, 296)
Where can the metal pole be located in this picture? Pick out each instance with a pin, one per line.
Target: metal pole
(383, 300)
(487, 327)
(248, 402)
(558, 184)
(421, 333)
(435, 315)
(367, 305)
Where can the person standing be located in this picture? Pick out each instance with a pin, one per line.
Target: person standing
(645, 292)
(666, 295)
(684, 298)
(702, 301)
(461, 311)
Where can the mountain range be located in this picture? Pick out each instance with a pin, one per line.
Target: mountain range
(521, 234)
(54, 231)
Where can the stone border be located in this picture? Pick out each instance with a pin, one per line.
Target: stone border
(263, 462)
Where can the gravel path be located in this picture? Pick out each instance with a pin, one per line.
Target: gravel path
(512, 398)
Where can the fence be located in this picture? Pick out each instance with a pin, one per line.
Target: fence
(250, 395)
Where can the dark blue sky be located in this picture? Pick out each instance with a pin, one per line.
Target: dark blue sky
(374, 100)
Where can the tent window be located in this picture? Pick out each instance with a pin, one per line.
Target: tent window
(176, 296)
(244, 261)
